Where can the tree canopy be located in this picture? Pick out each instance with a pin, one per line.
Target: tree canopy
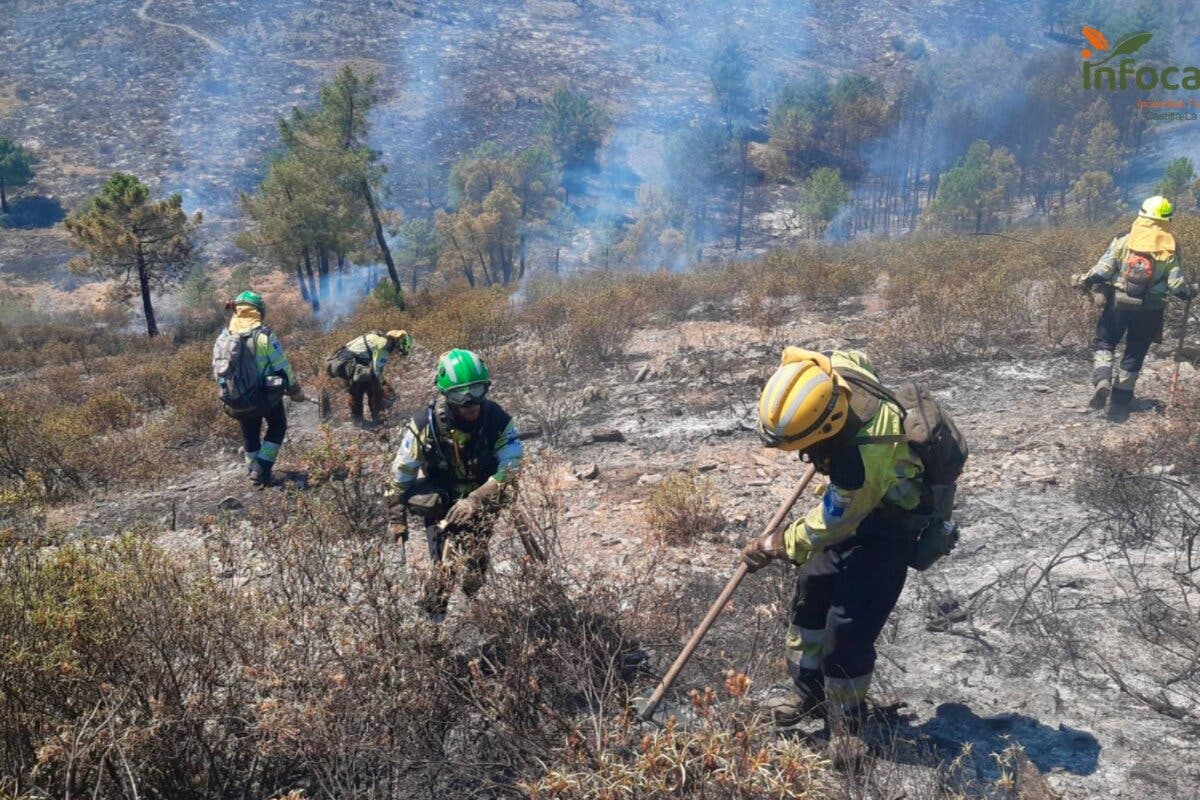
(127, 236)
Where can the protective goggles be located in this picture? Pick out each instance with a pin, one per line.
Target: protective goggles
(467, 395)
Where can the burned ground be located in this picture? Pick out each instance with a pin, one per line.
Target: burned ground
(971, 648)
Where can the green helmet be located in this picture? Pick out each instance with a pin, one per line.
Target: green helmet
(458, 369)
(249, 298)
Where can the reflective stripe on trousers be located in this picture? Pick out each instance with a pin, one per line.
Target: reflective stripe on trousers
(805, 647)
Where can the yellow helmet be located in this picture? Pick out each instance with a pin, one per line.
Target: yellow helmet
(399, 338)
(1157, 207)
(803, 403)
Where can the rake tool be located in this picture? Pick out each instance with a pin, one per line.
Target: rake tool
(645, 708)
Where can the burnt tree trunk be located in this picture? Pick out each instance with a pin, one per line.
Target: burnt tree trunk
(380, 239)
(3, 199)
(323, 270)
(144, 285)
(737, 243)
(302, 283)
(313, 298)
(521, 261)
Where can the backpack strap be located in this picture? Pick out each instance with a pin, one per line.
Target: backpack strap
(881, 392)
(892, 439)
(435, 438)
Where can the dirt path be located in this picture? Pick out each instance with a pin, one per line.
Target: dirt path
(144, 14)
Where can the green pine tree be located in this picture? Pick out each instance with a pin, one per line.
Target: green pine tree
(127, 236)
(16, 169)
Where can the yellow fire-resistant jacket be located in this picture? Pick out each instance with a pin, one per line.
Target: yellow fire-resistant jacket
(892, 476)
(1152, 238)
(374, 347)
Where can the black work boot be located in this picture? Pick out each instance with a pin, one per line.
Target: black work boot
(261, 476)
(1118, 409)
(804, 699)
(794, 707)
(1101, 382)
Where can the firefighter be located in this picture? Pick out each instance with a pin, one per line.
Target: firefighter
(360, 364)
(1132, 280)
(455, 470)
(854, 548)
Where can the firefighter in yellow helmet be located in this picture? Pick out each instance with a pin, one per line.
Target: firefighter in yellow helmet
(360, 364)
(1132, 280)
(854, 548)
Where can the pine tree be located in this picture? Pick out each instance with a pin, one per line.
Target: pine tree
(575, 126)
(125, 235)
(16, 169)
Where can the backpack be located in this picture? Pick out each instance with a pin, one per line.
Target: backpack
(935, 439)
(350, 366)
(240, 387)
(930, 432)
(1137, 275)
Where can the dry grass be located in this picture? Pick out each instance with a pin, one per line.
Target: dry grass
(683, 508)
(207, 672)
(730, 753)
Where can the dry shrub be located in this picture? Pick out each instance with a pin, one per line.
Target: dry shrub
(955, 298)
(670, 293)
(1146, 530)
(548, 409)
(683, 507)
(819, 274)
(149, 382)
(731, 753)
(475, 319)
(587, 321)
(766, 312)
(290, 317)
(36, 451)
(110, 410)
(194, 410)
(287, 656)
(61, 382)
(951, 299)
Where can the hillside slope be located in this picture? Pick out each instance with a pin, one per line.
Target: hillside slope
(973, 648)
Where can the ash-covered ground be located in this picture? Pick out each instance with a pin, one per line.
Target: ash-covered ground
(969, 648)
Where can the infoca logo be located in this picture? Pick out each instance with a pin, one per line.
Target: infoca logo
(1125, 72)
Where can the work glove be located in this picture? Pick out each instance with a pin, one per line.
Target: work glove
(398, 530)
(1084, 281)
(1187, 291)
(297, 394)
(760, 552)
(465, 510)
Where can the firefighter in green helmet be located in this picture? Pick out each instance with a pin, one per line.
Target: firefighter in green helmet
(455, 469)
(253, 375)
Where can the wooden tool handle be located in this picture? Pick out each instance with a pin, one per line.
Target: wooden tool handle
(719, 604)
